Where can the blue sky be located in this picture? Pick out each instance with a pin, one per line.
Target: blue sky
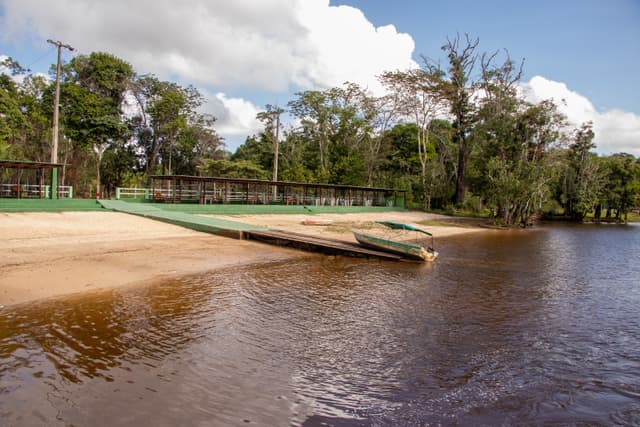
(243, 54)
(593, 46)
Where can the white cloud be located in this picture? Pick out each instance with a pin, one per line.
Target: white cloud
(267, 45)
(348, 47)
(221, 45)
(615, 130)
(235, 116)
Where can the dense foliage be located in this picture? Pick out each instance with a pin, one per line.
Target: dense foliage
(116, 127)
(457, 137)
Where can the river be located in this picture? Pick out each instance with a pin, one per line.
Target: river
(527, 327)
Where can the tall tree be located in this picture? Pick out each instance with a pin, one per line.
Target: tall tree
(313, 109)
(93, 94)
(458, 88)
(419, 100)
(169, 128)
(380, 113)
(25, 113)
(270, 118)
(296, 164)
(621, 185)
(338, 125)
(13, 122)
(512, 141)
(584, 178)
(199, 142)
(256, 149)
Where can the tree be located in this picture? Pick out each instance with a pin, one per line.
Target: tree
(418, 98)
(25, 118)
(380, 113)
(336, 125)
(161, 129)
(93, 94)
(295, 163)
(621, 185)
(584, 178)
(512, 169)
(256, 149)
(197, 143)
(314, 111)
(458, 89)
(12, 119)
(171, 132)
(168, 112)
(271, 120)
(118, 167)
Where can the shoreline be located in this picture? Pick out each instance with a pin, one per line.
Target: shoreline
(54, 254)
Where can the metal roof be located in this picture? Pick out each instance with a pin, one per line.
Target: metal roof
(26, 164)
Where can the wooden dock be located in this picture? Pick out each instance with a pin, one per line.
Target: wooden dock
(239, 230)
(316, 244)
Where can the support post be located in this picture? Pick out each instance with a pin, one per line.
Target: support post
(56, 101)
(54, 183)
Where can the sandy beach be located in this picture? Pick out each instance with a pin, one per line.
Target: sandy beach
(50, 254)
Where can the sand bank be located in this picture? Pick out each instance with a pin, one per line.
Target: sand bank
(343, 224)
(50, 254)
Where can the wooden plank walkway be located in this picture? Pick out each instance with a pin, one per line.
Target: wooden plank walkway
(317, 244)
(239, 230)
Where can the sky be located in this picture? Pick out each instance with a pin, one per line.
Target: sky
(244, 54)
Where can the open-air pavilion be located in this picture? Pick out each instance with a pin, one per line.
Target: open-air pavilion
(206, 190)
(26, 179)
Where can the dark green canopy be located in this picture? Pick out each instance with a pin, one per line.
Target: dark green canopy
(400, 226)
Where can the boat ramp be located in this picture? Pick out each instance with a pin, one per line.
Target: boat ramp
(242, 231)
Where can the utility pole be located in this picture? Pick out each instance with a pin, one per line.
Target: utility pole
(54, 148)
(276, 147)
(276, 142)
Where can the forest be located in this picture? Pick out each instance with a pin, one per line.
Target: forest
(459, 136)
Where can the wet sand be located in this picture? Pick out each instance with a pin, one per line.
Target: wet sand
(50, 254)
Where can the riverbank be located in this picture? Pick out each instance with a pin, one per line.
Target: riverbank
(52, 254)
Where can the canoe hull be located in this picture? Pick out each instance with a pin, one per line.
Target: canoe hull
(407, 250)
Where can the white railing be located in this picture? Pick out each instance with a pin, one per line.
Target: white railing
(134, 192)
(65, 191)
(25, 191)
(169, 194)
(257, 198)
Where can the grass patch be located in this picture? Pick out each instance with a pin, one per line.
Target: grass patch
(239, 209)
(66, 205)
(48, 205)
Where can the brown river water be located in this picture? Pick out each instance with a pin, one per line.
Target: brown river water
(537, 327)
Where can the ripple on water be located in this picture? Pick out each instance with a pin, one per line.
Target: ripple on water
(505, 328)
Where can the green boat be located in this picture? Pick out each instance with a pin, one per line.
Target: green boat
(407, 250)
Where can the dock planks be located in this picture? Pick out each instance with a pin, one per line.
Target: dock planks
(317, 244)
(239, 230)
